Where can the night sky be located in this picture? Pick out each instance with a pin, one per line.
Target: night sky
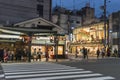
(112, 5)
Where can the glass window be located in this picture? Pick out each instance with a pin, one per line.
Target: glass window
(77, 22)
(40, 10)
(60, 50)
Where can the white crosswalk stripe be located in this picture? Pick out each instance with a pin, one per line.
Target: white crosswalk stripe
(2, 76)
(49, 71)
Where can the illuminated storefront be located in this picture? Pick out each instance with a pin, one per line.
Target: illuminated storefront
(20, 40)
(89, 36)
(43, 42)
(43, 35)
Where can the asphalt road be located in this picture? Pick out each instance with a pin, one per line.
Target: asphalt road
(108, 67)
(91, 69)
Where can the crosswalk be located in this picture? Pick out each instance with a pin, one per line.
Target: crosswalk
(2, 76)
(49, 71)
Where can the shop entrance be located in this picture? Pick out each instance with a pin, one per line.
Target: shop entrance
(41, 53)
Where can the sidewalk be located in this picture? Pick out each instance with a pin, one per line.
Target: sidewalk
(72, 57)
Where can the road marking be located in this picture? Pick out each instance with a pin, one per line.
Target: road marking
(49, 71)
(63, 77)
(31, 69)
(98, 78)
(2, 75)
(46, 74)
(42, 71)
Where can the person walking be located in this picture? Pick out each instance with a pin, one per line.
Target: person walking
(98, 53)
(103, 52)
(76, 54)
(108, 52)
(6, 55)
(115, 52)
(34, 55)
(84, 50)
(39, 53)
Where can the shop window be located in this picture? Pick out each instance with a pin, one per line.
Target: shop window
(60, 50)
(77, 22)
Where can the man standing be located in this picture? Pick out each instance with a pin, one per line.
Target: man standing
(39, 53)
(98, 53)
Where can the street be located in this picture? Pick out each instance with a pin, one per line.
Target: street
(109, 66)
(92, 69)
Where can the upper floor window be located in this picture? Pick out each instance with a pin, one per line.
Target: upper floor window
(77, 22)
(40, 0)
(40, 10)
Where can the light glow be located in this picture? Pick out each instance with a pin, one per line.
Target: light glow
(9, 36)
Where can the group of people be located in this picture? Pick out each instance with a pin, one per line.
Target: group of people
(99, 52)
(10, 55)
(37, 55)
(108, 52)
(6, 55)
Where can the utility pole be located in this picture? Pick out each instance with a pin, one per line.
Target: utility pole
(105, 29)
(56, 47)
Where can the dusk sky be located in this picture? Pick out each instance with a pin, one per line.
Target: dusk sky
(112, 5)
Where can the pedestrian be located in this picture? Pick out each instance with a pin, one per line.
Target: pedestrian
(6, 55)
(85, 53)
(25, 55)
(103, 52)
(115, 52)
(108, 52)
(76, 54)
(1, 55)
(39, 53)
(98, 53)
(34, 55)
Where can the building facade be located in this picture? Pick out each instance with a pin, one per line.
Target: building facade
(13, 11)
(114, 30)
(66, 19)
(88, 14)
(90, 36)
(33, 35)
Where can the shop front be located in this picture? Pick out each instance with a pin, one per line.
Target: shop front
(91, 37)
(32, 45)
(24, 38)
(48, 47)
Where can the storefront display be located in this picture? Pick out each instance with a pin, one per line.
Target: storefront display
(90, 36)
